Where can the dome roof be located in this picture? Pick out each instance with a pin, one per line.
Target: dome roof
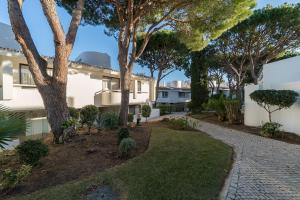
(7, 38)
(94, 58)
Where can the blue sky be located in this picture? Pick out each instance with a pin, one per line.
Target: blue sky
(89, 38)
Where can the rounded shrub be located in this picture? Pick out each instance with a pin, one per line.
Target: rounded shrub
(31, 151)
(123, 133)
(271, 129)
(126, 146)
(88, 115)
(217, 105)
(74, 113)
(146, 111)
(109, 120)
(130, 117)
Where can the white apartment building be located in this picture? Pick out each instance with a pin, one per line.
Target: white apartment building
(90, 81)
(280, 75)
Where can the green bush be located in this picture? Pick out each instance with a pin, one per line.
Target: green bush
(109, 120)
(146, 111)
(123, 133)
(179, 123)
(233, 112)
(164, 109)
(274, 100)
(74, 113)
(130, 117)
(126, 146)
(68, 123)
(218, 106)
(11, 178)
(88, 115)
(271, 129)
(31, 151)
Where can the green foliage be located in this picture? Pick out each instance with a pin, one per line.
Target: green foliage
(146, 111)
(68, 123)
(270, 129)
(164, 109)
(274, 100)
(233, 112)
(74, 113)
(88, 115)
(179, 123)
(126, 146)
(109, 120)
(217, 105)
(123, 133)
(11, 123)
(11, 178)
(31, 151)
(130, 117)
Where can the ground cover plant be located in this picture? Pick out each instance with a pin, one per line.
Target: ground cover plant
(178, 165)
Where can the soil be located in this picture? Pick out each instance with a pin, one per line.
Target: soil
(85, 155)
(291, 138)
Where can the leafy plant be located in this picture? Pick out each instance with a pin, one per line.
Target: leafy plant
(11, 178)
(130, 117)
(68, 123)
(126, 146)
(233, 113)
(274, 100)
(31, 151)
(146, 111)
(270, 129)
(218, 106)
(11, 123)
(123, 133)
(164, 109)
(88, 115)
(109, 120)
(179, 123)
(74, 113)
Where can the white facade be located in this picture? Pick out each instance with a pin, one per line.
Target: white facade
(281, 75)
(173, 95)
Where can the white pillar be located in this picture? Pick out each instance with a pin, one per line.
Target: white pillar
(6, 80)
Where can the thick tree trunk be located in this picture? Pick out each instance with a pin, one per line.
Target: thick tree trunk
(54, 97)
(125, 91)
(157, 86)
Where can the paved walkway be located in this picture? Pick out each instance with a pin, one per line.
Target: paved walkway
(263, 169)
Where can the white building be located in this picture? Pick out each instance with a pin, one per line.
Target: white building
(90, 81)
(280, 75)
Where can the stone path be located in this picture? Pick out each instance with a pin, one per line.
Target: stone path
(263, 168)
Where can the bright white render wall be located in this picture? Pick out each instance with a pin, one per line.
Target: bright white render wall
(281, 75)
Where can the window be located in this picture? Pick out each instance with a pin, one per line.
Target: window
(182, 95)
(139, 85)
(111, 83)
(164, 94)
(25, 75)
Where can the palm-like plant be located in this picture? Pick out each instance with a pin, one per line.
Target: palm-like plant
(11, 124)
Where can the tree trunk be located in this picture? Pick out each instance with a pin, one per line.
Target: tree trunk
(54, 97)
(125, 91)
(270, 117)
(157, 86)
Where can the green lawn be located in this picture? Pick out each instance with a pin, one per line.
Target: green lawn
(181, 165)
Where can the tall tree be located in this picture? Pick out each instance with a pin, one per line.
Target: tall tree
(164, 54)
(215, 77)
(52, 88)
(196, 22)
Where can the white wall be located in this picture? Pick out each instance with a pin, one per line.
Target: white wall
(282, 75)
(173, 97)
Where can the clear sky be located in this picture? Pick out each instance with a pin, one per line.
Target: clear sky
(89, 38)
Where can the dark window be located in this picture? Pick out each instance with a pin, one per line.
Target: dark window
(25, 75)
(139, 85)
(182, 94)
(164, 94)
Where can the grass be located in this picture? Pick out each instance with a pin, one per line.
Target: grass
(183, 165)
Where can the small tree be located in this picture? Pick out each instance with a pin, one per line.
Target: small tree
(88, 115)
(274, 100)
(74, 113)
(146, 111)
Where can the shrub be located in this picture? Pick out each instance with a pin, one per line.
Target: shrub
(233, 112)
(109, 120)
(31, 151)
(164, 109)
(68, 123)
(146, 111)
(270, 129)
(179, 123)
(10, 178)
(274, 100)
(126, 146)
(218, 106)
(74, 113)
(123, 133)
(130, 117)
(88, 115)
